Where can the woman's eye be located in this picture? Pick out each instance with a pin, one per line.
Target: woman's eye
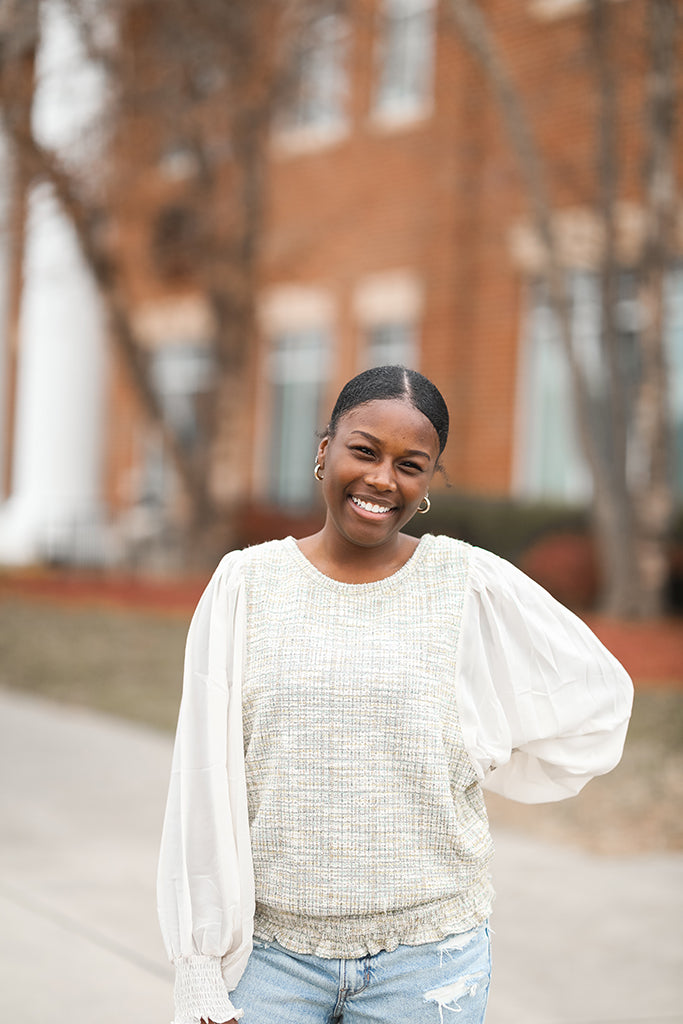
(413, 466)
(362, 450)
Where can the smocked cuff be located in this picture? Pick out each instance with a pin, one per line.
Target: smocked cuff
(200, 992)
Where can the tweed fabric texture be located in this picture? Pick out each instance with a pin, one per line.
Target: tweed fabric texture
(368, 825)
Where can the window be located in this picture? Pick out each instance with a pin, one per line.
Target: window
(387, 343)
(552, 10)
(549, 10)
(178, 161)
(174, 332)
(406, 59)
(299, 367)
(388, 307)
(182, 375)
(550, 463)
(315, 104)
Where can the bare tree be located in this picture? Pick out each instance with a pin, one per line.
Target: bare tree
(653, 500)
(209, 75)
(627, 450)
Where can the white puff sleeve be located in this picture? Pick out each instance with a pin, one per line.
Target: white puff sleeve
(544, 706)
(205, 888)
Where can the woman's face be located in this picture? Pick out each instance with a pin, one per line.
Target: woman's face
(377, 469)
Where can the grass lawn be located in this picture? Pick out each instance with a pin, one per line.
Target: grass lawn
(129, 663)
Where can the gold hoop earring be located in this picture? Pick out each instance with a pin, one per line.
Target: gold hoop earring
(316, 471)
(427, 507)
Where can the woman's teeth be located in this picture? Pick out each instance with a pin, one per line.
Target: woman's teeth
(369, 507)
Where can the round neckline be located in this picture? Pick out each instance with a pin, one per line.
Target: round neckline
(314, 573)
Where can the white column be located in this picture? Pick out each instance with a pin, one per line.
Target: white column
(60, 392)
(55, 508)
(6, 197)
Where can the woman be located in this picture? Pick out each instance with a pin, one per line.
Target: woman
(346, 696)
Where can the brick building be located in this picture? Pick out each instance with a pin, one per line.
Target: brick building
(397, 231)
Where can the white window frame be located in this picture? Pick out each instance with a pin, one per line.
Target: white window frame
(552, 10)
(298, 373)
(175, 333)
(291, 318)
(544, 383)
(181, 372)
(316, 113)
(385, 301)
(389, 343)
(404, 90)
(563, 475)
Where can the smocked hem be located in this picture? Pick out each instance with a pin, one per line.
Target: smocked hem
(200, 991)
(348, 938)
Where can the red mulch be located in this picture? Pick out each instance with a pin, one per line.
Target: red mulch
(174, 596)
(652, 652)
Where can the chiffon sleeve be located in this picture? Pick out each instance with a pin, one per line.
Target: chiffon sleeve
(205, 885)
(544, 706)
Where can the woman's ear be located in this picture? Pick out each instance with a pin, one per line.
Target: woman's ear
(320, 457)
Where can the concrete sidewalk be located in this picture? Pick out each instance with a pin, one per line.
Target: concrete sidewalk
(578, 938)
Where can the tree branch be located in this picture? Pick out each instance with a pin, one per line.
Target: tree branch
(479, 40)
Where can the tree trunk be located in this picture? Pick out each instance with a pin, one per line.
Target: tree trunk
(630, 522)
(613, 515)
(653, 487)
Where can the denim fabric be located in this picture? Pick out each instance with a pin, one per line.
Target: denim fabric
(429, 984)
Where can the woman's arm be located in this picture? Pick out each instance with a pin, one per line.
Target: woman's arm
(544, 705)
(205, 883)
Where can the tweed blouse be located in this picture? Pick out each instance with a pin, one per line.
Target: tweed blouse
(368, 825)
(542, 707)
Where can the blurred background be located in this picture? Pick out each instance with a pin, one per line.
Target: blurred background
(213, 214)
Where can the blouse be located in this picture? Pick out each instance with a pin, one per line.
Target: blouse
(543, 708)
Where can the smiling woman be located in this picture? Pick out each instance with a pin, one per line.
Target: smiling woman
(376, 462)
(375, 466)
(325, 857)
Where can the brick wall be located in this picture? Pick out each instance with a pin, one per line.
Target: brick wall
(438, 197)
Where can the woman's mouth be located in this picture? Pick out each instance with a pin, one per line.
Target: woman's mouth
(371, 506)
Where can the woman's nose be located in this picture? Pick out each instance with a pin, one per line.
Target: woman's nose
(381, 476)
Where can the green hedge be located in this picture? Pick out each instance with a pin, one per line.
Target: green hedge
(504, 526)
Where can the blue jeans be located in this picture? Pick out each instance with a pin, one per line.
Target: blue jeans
(428, 984)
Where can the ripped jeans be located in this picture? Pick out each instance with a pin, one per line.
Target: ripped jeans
(445, 982)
